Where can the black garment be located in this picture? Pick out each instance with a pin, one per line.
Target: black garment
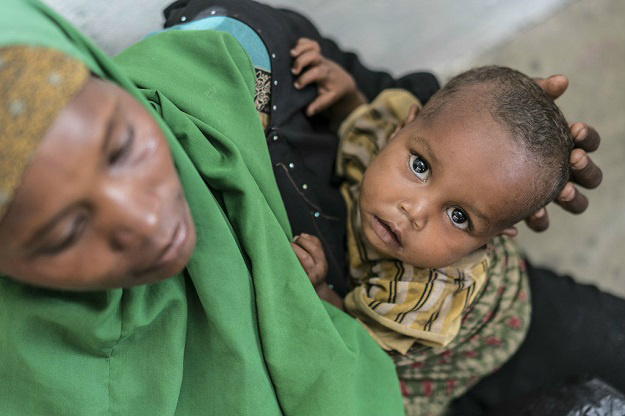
(575, 330)
(303, 150)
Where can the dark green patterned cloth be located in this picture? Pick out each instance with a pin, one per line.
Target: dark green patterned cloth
(492, 329)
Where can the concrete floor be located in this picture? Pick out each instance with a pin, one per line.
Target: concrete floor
(583, 39)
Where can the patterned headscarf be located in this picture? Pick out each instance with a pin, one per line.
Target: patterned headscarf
(35, 85)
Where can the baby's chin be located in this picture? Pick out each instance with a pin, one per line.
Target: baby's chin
(441, 262)
(415, 261)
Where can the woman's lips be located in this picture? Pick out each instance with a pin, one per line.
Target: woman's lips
(171, 250)
(386, 232)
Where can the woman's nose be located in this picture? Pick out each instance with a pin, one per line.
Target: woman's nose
(130, 213)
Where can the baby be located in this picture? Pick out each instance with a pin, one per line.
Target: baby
(433, 195)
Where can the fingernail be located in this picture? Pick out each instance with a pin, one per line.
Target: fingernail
(295, 238)
(575, 158)
(304, 235)
(578, 161)
(294, 71)
(540, 213)
(567, 193)
(296, 85)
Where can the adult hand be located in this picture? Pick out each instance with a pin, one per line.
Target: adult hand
(311, 256)
(583, 170)
(336, 88)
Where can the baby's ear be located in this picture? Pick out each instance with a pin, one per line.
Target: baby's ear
(412, 114)
(510, 232)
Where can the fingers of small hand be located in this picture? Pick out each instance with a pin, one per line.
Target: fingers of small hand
(304, 258)
(320, 103)
(305, 52)
(538, 221)
(572, 200)
(306, 60)
(584, 170)
(318, 267)
(314, 74)
(585, 137)
(304, 45)
(554, 86)
(312, 245)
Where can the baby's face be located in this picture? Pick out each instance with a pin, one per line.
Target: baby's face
(100, 206)
(440, 190)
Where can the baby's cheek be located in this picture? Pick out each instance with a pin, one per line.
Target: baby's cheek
(453, 248)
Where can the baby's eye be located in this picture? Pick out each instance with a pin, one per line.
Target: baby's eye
(458, 217)
(419, 167)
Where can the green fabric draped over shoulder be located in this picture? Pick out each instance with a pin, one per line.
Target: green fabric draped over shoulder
(240, 331)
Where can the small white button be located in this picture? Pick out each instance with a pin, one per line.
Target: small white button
(273, 55)
(275, 107)
(275, 138)
(275, 83)
(291, 165)
(183, 19)
(304, 186)
(213, 12)
(316, 214)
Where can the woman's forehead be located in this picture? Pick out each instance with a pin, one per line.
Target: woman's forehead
(68, 154)
(36, 84)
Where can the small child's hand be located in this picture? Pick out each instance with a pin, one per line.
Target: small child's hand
(337, 90)
(309, 252)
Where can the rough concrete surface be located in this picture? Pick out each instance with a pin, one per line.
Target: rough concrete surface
(584, 39)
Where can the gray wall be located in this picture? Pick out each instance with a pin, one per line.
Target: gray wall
(397, 35)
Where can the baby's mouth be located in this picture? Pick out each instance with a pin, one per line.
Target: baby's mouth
(386, 232)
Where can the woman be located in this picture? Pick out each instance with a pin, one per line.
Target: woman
(219, 337)
(223, 345)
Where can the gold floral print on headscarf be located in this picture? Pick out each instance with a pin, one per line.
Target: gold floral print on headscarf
(35, 85)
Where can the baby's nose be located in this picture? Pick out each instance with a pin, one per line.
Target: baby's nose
(417, 212)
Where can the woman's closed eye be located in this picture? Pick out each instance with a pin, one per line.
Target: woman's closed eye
(123, 147)
(69, 237)
(419, 167)
(459, 218)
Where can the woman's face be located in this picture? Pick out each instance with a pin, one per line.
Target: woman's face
(100, 205)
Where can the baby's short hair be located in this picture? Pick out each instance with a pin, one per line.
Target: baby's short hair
(535, 122)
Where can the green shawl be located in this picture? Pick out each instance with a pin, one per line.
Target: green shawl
(241, 330)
